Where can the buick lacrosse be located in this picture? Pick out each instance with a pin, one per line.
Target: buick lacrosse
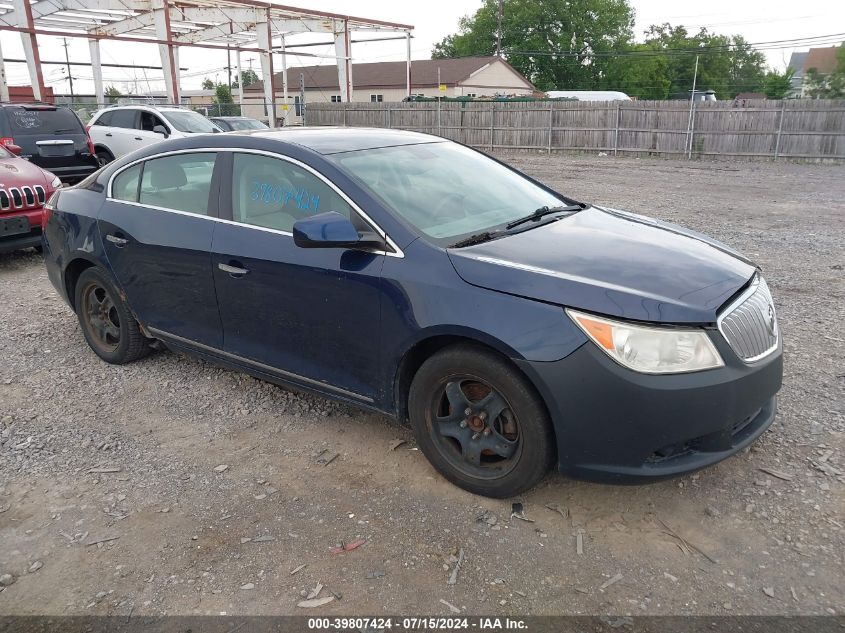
(513, 326)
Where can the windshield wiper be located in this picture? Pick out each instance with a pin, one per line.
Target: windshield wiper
(478, 238)
(64, 129)
(543, 211)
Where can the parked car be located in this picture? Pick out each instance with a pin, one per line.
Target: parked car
(24, 189)
(515, 327)
(119, 130)
(49, 136)
(237, 123)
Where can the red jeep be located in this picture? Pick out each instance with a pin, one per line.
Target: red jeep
(24, 189)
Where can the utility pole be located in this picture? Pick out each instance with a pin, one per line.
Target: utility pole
(499, 30)
(229, 66)
(69, 76)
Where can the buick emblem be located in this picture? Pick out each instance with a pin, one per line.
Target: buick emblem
(769, 318)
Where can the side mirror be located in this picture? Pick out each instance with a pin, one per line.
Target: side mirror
(15, 149)
(160, 129)
(332, 230)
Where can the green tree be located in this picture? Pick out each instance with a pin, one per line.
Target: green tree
(249, 77)
(224, 104)
(208, 84)
(560, 42)
(827, 86)
(778, 85)
(112, 94)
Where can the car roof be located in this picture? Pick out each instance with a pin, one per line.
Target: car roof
(334, 140)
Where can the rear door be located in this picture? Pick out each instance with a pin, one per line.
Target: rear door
(50, 137)
(311, 313)
(116, 129)
(156, 227)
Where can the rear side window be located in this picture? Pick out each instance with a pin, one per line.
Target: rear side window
(47, 121)
(122, 118)
(273, 193)
(125, 185)
(181, 182)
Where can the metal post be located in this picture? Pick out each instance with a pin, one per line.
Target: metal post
(492, 122)
(616, 131)
(408, 65)
(69, 74)
(30, 48)
(780, 129)
(691, 108)
(264, 35)
(240, 77)
(551, 124)
(97, 69)
(4, 84)
(161, 13)
(691, 132)
(389, 122)
(285, 82)
(343, 51)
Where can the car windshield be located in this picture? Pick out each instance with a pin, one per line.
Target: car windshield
(444, 189)
(44, 121)
(190, 122)
(246, 124)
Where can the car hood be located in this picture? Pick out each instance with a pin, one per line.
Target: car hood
(16, 172)
(611, 262)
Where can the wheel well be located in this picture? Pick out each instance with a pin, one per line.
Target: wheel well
(72, 273)
(103, 148)
(417, 355)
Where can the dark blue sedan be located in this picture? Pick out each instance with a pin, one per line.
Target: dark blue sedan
(513, 326)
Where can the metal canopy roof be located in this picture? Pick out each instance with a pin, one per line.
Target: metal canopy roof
(234, 25)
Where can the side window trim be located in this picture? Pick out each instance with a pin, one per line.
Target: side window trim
(394, 251)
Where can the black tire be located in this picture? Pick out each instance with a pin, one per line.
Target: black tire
(505, 445)
(104, 157)
(106, 322)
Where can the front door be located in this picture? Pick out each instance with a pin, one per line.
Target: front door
(312, 313)
(156, 231)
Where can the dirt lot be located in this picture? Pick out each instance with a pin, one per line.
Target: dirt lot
(92, 452)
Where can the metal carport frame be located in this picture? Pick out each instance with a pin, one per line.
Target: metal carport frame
(234, 25)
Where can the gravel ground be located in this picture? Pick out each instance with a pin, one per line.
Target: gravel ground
(173, 486)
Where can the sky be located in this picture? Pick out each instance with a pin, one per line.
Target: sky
(756, 20)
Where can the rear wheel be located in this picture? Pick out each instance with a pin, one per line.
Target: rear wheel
(480, 423)
(106, 322)
(104, 157)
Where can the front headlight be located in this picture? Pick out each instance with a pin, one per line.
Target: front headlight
(56, 183)
(650, 350)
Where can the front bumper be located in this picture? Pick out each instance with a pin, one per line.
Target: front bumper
(618, 426)
(19, 242)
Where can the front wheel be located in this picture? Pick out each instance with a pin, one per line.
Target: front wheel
(480, 423)
(106, 322)
(104, 157)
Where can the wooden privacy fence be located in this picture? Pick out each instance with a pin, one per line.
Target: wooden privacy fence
(796, 129)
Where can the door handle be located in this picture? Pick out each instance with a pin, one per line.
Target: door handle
(108, 134)
(234, 271)
(138, 138)
(120, 242)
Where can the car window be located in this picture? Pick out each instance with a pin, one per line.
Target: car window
(275, 193)
(246, 124)
(444, 189)
(44, 121)
(104, 119)
(125, 184)
(148, 121)
(181, 182)
(123, 118)
(189, 122)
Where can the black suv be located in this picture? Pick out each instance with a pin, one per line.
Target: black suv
(50, 136)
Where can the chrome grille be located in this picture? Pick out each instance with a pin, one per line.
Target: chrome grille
(749, 324)
(40, 194)
(29, 196)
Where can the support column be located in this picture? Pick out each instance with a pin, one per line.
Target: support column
(408, 66)
(285, 83)
(343, 48)
(167, 51)
(30, 48)
(265, 43)
(97, 69)
(240, 77)
(4, 84)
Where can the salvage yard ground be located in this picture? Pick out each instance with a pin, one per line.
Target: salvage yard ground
(173, 486)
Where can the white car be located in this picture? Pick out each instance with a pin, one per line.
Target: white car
(119, 130)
